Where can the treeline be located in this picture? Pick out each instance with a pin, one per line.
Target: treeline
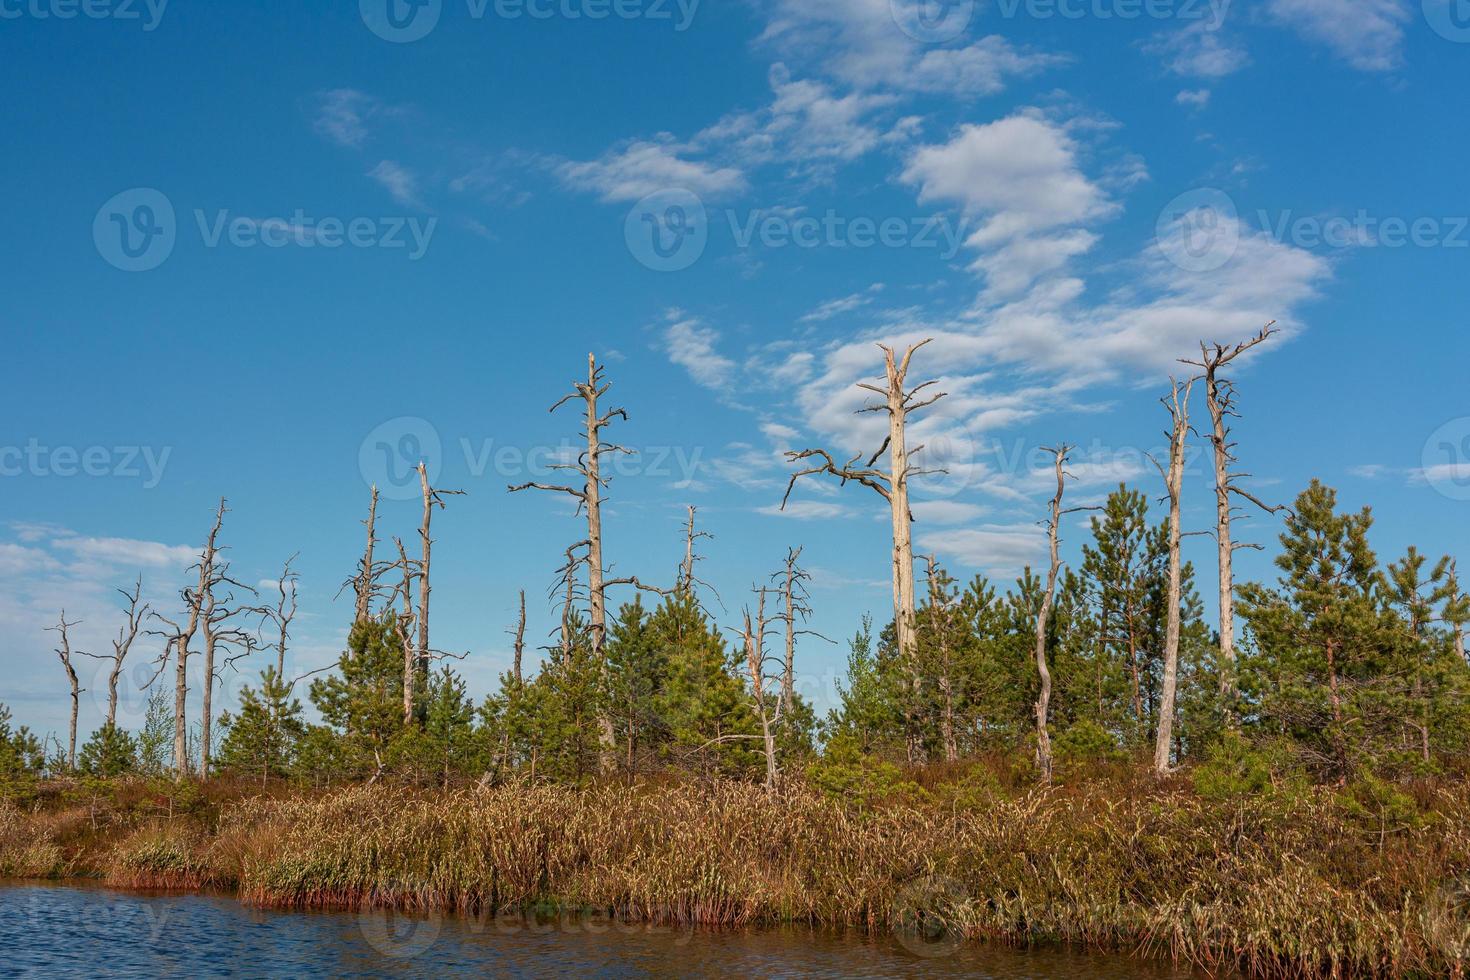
(1345, 667)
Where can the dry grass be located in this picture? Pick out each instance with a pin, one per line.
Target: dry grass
(26, 850)
(1278, 884)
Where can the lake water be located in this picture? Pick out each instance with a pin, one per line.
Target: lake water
(48, 930)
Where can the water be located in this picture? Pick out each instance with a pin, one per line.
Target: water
(85, 931)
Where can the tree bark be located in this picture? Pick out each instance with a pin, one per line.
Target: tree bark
(1178, 404)
(365, 576)
(893, 486)
(1219, 400)
(1043, 617)
(64, 652)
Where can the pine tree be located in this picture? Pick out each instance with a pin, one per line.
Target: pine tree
(709, 721)
(261, 738)
(1319, 644)
(364, 700)
(109, 753)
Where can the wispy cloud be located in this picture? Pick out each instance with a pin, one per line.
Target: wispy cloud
(398, 181)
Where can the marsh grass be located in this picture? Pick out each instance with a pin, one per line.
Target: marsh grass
(1305, 882)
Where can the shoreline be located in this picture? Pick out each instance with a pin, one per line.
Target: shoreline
(1277, 884)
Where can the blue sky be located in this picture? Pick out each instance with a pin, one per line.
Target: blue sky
(346, 239)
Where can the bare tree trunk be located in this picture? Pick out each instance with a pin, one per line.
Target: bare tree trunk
(893, 486)
(755, 666)
(433, 497)
(123, 644)
(365, 576)
(520, 647)
(1220, 401)
(590, 500)
(196, 600)
(64, 652)
(795, 598)
(401, 623)
(1043, 617)
(1178, 404)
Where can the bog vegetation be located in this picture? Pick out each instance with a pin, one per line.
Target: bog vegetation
(1076, 755)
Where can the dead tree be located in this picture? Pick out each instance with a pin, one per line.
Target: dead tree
(1178, 405)
(796, 600)
(179, 636)
(220, 634)
(1220, 401)
(64, 652)
(285, 610)
(1043, 616)
(137, 612)
(520, 634)
(589, 503)
(433, 497)
(755, 666)
(402, 623)
(366, 577)
(893, 485)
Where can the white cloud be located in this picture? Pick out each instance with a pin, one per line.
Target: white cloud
(996, 549)
(845, 304)
(641, 168)
(1020, 177)
(805, 121)
(859, 43)
(398, 181)
(946, 512)
(1367, 34)
(1201, 50)
(1195, 98)
(342, 115)
(806, 510)
(128, 552)
(692, 346)
(1368, 471)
